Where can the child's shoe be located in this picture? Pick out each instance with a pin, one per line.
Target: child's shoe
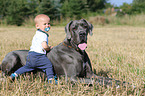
(50, 81)
(12, 76)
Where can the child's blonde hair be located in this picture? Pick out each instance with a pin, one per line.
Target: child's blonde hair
(39, 17)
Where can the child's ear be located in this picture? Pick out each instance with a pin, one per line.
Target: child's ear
(37, 26)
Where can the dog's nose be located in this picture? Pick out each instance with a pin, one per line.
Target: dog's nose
(82, 34)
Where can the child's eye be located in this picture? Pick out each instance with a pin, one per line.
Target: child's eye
(47, 24)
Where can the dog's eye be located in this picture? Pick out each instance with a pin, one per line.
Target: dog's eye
(85, 26)
(74, 28)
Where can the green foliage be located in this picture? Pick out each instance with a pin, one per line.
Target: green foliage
(74, 8)
(138, 1)
(45, 7)
(14, 11)
(3, 7)
(138, 8)
(96, 4)
(32, 7)
(126, 8)
(57, 8)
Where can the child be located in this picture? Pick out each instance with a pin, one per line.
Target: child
(37, 55)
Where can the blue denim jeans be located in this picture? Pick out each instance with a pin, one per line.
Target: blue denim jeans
(39, 61)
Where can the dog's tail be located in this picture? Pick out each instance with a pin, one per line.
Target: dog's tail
(0, 68)
(1, 72)
(103, 81)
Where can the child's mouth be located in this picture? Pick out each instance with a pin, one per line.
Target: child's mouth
(47, 29)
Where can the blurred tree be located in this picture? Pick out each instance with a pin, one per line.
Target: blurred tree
(16, 11)
(138, 6)
(57, 8)
(3, 7)
(138, 1)
(126, 8)
(45, 7)
(49, 7)
(32, 7)
(108, 5)
(94, 5)
(74, 8)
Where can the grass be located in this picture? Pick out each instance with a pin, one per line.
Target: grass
(128, 20)
(96, 19)
(116, 52)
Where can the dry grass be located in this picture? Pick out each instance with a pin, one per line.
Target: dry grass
(114, 52)
(130, 20)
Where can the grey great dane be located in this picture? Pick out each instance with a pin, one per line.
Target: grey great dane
(69, 58)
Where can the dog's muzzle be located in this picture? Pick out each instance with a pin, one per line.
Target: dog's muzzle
(83, 38)
(83, 41)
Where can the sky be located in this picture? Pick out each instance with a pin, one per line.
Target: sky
(119, 2)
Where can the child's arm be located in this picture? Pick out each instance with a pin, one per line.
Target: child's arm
(45, 46)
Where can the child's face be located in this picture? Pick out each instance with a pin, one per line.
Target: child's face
(43, 23)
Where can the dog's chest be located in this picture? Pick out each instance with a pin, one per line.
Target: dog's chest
(67, 59)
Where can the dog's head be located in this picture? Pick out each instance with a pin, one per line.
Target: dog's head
(77, 31)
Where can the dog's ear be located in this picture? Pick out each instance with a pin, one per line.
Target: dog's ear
(90, 27)
(67, 30)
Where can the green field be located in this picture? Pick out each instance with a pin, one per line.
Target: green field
(117, 52)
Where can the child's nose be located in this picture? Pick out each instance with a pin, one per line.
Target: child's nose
(47, 25)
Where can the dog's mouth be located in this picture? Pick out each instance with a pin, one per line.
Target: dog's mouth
(82, 46)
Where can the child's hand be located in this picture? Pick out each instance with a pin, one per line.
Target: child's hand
(45, 46)
(50, 47)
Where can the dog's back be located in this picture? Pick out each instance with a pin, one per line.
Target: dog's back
(13, 60)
